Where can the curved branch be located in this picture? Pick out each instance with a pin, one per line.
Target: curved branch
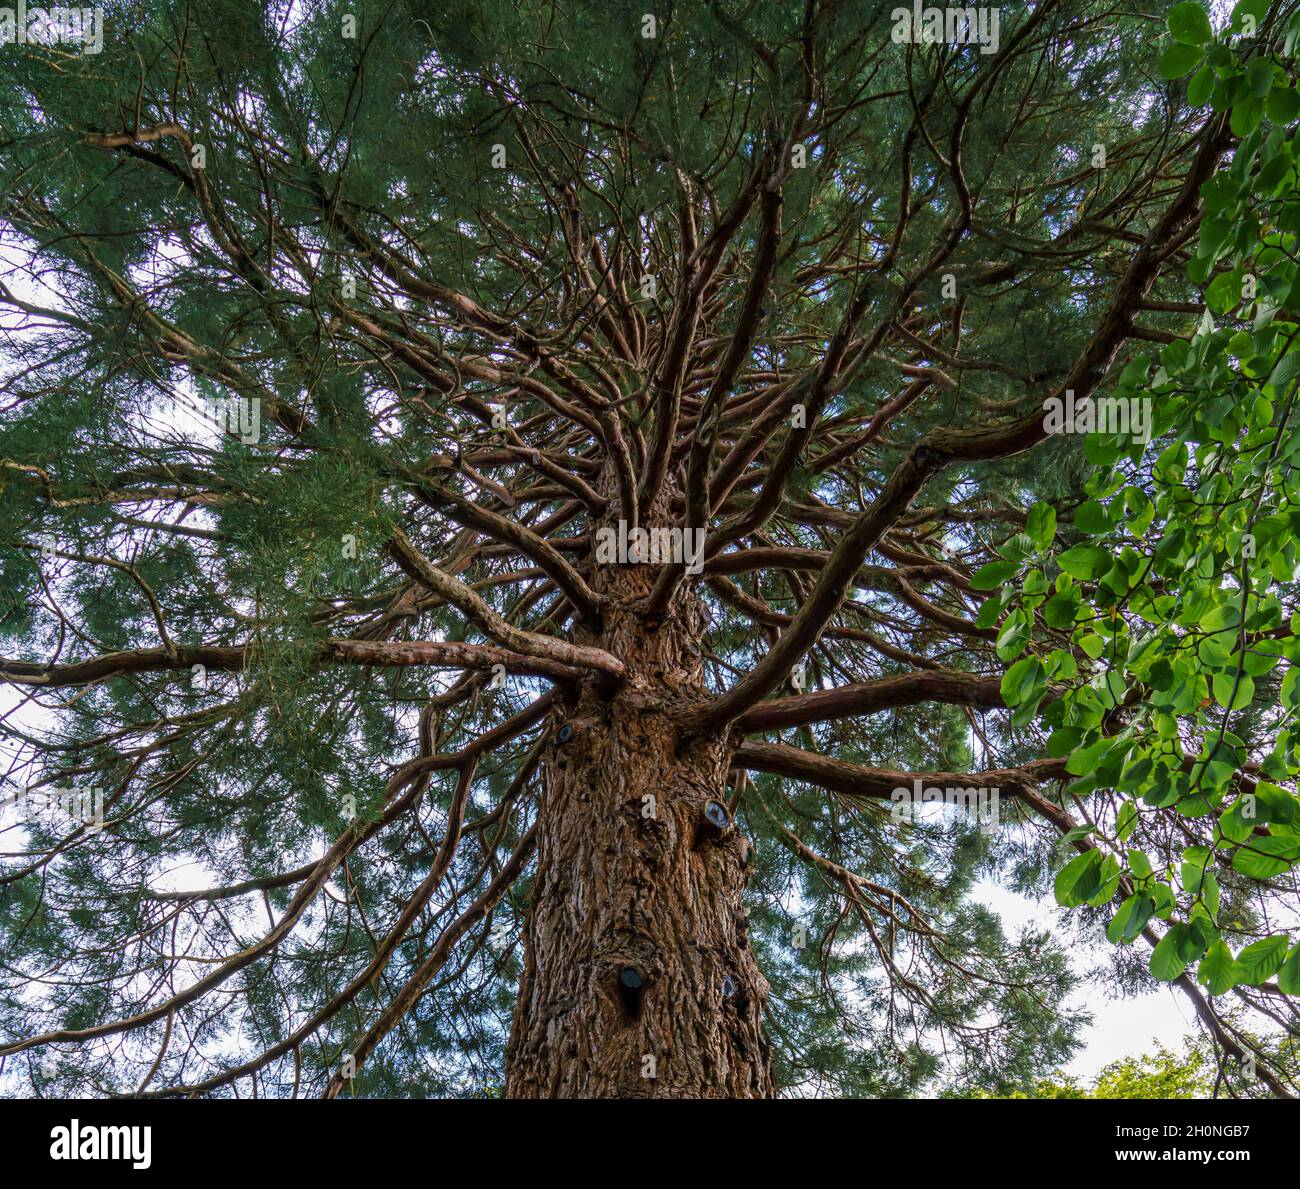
(437, 654)
(857, 780)
(529, 643)
(868, 697)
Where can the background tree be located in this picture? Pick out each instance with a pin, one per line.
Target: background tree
(1191, 1071)
(1163, 1074)
(409, 784)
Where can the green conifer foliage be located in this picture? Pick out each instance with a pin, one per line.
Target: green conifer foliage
(333, 335)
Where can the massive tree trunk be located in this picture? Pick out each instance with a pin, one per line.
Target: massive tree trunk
(638, 979)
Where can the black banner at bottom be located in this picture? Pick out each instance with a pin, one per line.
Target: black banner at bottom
(199, 1139)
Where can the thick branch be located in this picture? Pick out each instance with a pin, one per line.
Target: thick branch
(868, 697)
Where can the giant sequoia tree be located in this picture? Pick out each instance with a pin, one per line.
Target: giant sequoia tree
(497, 497)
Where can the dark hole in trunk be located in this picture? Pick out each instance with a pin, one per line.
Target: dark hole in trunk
(631, 989)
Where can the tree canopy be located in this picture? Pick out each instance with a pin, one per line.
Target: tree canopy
(383, 381)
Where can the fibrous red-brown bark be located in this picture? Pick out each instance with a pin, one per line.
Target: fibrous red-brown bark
(634, 883)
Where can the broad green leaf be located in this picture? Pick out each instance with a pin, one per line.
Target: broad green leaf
(1244, 119)
(1239, 820)
(1040, 525)
(1108, 878)
(1258, 9)
(1073, 835)
(1012, 638)
(1022, 679)
(1189, 24)
(1092, 518)
(1288, 977)
(1060, 609)
(1233, 691)
(994, 574)
(1260, 960)
(1079, 879)
(1178, 60)
(1220, 617)
(1274, 804)
(1200, 87)
(1259, 77)
(1130, 920)
(1283, 105)
(1195, 859)
(1165, 964)
(1265, 857)
(1223, 293)
(1216, 972)
(1085, 561)
(1286, 370)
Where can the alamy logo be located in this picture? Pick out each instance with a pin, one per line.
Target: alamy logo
(980, 804)
(1130, 416)
(236, 415)
(55, 804)
(101, 1142)
(949, 26)
(53, 26)
(650, 546)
